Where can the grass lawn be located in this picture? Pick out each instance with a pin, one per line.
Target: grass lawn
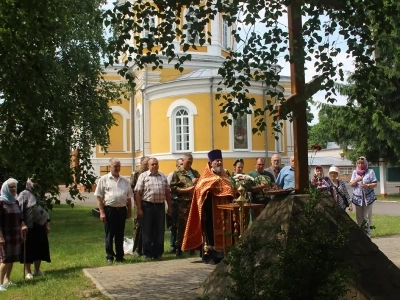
(391, 197)
(385, 225)
(77, 242)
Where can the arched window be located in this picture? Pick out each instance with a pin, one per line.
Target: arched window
(225, 36)
(181, 130)
(181, 114)
(138, 130)
(190, 17)
(119, 133)
(240, 135)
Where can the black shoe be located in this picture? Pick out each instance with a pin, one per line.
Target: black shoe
(120, 260)
(178, 253)
(211, 262)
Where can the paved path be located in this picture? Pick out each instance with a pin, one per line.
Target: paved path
(170, 279)
(179, 278)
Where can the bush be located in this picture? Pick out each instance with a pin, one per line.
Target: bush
(309, 262)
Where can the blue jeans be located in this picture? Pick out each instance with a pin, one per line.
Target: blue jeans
(153, 229)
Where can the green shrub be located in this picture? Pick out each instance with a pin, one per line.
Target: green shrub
(308, 262)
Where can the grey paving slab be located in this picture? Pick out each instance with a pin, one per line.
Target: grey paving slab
(171, 279)
(179, 278)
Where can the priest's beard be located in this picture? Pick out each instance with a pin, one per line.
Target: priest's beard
(217, 170)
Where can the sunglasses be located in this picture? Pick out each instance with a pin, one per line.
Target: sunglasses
(361, 158)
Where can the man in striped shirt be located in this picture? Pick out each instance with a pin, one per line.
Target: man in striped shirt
(151, 193)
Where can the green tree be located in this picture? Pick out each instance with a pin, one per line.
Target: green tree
(54, 98)
(371, 121)
(258, 52)
(358, 132)
(318, 136)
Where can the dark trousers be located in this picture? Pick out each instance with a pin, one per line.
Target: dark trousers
(153, 229)
(174, 219)
(115, 228)
(184, 207)
(137, 236)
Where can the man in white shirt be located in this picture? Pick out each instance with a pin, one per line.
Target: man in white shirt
(114, 195)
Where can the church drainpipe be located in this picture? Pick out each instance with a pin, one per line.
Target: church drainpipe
(212, 112)
(266, 126)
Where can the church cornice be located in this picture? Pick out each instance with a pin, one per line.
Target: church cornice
(199, 85)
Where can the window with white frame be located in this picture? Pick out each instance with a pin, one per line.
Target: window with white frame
(225, 35)
(181, 130)
(346, 170)
(181, 114)
(241, 133)
(190, 18)
(138, 130)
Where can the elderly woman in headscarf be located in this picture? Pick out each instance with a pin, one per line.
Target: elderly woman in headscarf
(340, 193)
(321, 182)
(363, 180)
(12, 231)
(38, 223)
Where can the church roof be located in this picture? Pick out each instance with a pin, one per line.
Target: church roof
(201, 73)
(329, 161)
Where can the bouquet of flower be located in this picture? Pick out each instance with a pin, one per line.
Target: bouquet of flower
(244, 180)
(262, 179)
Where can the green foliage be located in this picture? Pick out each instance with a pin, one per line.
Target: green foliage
(258, 51)
(371, 122)
(308, 262)
(318, 136)
(355, 130)
(53, 95)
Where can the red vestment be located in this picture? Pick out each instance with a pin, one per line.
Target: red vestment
(222, 192)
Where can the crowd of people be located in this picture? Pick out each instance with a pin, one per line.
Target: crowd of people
(191, 199)
(363, 181)
(24, 226)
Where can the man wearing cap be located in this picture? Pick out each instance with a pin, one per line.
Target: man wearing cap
(204, 227)
(275, 168)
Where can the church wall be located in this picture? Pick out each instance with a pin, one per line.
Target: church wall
(159, 126)
(169, 74)
(202, 122)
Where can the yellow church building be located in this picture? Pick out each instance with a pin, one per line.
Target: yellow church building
(171, 113)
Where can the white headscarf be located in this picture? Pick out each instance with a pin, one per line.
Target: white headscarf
(5, 191)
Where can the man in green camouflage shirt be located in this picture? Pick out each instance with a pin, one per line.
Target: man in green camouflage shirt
(137, 228)
(263, 180)
(182, 184)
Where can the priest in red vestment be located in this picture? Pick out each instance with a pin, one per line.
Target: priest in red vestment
(204, 229)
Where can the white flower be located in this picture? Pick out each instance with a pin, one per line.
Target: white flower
(242, 178)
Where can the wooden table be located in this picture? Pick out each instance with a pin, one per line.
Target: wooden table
(231, 211)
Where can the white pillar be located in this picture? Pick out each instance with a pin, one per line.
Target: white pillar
(382, 174)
